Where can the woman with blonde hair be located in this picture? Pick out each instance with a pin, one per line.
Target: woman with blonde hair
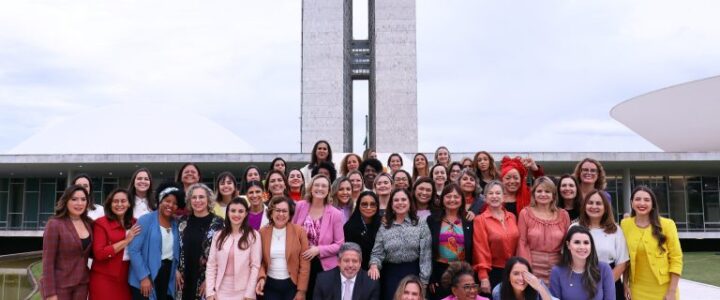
(341, 195)
(542, 228)
(410, 288)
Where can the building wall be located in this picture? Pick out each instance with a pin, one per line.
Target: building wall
(393, 79)
(326, 85)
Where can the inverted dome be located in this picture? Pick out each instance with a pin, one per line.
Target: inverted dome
(125, 129)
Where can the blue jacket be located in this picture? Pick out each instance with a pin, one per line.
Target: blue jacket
(145, 252)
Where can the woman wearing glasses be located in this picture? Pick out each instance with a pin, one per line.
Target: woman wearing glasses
(460, 279)
(591, 175)
(363, 225)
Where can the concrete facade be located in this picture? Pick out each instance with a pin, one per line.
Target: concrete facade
(326, 112)
(327, 74)
(393, 77)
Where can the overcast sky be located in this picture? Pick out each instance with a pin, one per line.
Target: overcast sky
(492, 75)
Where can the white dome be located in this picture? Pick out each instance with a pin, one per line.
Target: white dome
(122, 129)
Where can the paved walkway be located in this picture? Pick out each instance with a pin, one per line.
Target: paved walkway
(693, 290)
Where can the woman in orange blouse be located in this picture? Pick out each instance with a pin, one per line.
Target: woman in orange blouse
(495, 238)
(542, 228)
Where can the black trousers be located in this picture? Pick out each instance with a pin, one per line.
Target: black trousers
(160, 284)
(283, 289)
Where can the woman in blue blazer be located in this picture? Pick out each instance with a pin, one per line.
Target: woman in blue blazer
(155, 252)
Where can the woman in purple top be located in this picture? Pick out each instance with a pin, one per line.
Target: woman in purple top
(257, 216)
(579, 275)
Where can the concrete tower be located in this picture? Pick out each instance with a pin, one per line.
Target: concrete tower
(331, 60)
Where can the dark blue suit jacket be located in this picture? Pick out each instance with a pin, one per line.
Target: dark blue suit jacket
(328, 286)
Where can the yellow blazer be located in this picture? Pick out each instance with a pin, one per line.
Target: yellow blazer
(661, 263)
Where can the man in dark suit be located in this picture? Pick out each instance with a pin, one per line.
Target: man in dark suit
(347, 281)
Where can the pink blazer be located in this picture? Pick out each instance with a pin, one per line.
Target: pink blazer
(331, 232)
(246, 267)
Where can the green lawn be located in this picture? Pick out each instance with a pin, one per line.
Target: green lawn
(701, 267)
(36, 270)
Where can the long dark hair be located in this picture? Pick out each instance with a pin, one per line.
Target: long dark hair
(591, 273)
(415, 171)
(447, 190)
(148, 195)
(244, 180)
(178, 178)
(492, 171)
(61, 210)
(356, 222)
(389, 217)
(272, 164)
(313, 156)
(220, 178)
(420, 180)
(577, 202)
(654, 215)
(128, 216)
(506, 289)
(284, 179)
(607, 221)
(245, 229)
(89, 194)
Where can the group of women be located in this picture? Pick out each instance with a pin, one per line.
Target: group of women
(454, 230)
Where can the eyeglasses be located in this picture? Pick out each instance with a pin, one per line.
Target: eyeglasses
(281, 211)
(470, 287)
(368, 205)
(591, 171)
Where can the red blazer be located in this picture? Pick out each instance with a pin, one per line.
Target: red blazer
(64, 260)
(106, 261)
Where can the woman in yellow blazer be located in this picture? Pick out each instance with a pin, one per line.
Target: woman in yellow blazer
(654, 247)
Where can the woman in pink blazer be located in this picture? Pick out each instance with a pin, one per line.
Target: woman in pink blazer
(235, 254)
(323, 224)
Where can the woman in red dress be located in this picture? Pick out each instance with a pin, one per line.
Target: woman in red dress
(113, 233)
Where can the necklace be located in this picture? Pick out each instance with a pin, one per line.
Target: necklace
(277, 235)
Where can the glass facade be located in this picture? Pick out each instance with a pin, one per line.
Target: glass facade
(692, 201)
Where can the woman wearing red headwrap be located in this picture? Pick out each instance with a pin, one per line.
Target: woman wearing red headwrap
(513, 173)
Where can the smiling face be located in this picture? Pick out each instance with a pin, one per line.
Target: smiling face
(322, 151)
(383, 186)
(511, 181)
(443, 156)
(400, 204)
(452, 201)
(280, 214)
(199, 201)
(254, 196)
(642, 203)
(190, 175)
(352, 163)
(77, 204)
(369, 176)
(349, 263)
(276, 184)
(236, 212)
(344, 192)
(402, 181)
(252, 175)
(517, 280)
(420, 162)
(142, 182)
(588, 172)
(455, 172)
(319, 189)
(468, 184)
(466, 288)
(356, 182)
(227, 187)
(594, 207)
(368, 207)
(168, 206)
(295, 179)
(494, 197)
(120, 204)
(579, 246)
(568, 190)
(395, 163)
(439, 175)
(84, 183)
(423, 193)
(543, 194)
(279, 165)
